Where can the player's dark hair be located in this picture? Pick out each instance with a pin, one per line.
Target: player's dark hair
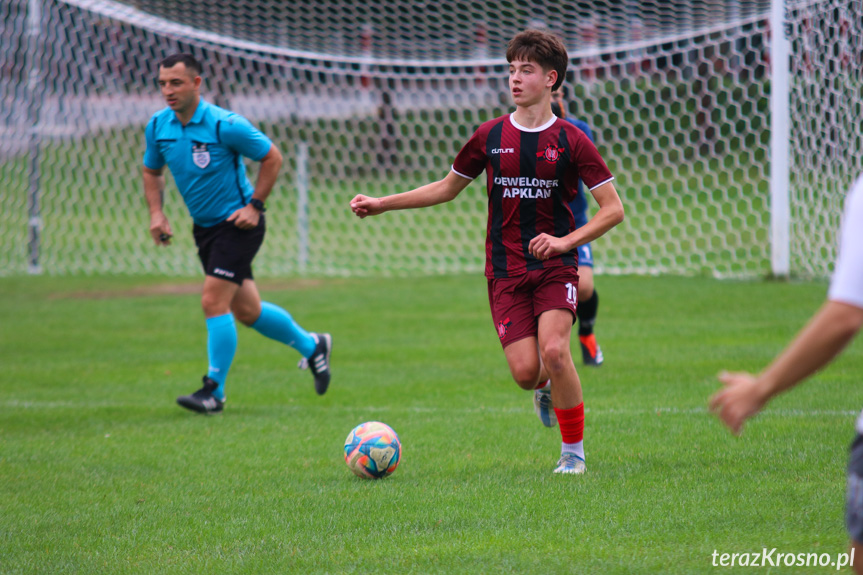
(564, 91)
(542, 47)
(558, 107)
(557, 110)
(192, 64)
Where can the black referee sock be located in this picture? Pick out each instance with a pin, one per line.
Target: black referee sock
(586, 312)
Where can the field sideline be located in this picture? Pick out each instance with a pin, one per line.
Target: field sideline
(100, 471)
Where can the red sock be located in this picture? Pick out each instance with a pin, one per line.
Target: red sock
(571, 423)
(542, 384)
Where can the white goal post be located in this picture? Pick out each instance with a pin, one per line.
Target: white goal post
(732, 127)
(780, 121)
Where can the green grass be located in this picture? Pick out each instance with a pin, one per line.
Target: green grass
(100, 472)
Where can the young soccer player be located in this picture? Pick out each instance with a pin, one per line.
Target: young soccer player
(588, 298)
(533, 161)
(203, 146)
(828, 332)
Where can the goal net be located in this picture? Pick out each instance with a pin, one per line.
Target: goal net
(377, 98)
(826, 136)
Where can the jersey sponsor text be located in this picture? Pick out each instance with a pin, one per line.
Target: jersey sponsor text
(522, 193)
(524, 182)
(532, 188)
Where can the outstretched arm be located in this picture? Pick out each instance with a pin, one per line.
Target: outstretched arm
(154, 192)
(429, 195)
(827, 333)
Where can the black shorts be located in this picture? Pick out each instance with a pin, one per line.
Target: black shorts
(854, 494)
(226, 251)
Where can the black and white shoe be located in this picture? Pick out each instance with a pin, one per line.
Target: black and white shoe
(202, 400)
(319, 361)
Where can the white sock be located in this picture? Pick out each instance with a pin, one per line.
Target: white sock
(576, 448)
(546, 385)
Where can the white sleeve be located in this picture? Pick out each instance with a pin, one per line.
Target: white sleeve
(847, 283)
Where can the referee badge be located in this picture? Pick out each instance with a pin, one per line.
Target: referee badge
(200, 155)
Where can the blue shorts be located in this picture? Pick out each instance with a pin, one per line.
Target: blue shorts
(585, 252)
(585, 256)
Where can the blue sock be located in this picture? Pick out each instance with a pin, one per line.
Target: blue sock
(221, 347)
(277, 324)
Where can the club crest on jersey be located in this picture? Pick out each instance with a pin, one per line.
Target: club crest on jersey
(200, 155)
(501, 327)
(551, 153)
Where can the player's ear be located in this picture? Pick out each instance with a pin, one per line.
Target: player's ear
(198, 82)
(551, 78)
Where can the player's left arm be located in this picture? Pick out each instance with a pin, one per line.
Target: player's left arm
(248, 216)
(239, 135)
(610, 214)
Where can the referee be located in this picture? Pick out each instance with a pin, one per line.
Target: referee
(203, 146)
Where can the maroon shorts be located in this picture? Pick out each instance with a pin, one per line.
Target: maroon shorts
(517, 302)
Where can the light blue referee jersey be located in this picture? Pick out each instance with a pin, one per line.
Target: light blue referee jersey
(206, 158)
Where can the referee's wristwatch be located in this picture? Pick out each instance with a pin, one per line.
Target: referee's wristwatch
(258, 205)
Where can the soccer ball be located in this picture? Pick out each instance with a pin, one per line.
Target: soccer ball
(373, 450)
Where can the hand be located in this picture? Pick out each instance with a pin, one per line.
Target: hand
(246, 217)
(160, 229)
(741, 398)
(364, 206)
(545, 246)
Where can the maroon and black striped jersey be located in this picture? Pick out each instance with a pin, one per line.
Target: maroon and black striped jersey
(532, 176)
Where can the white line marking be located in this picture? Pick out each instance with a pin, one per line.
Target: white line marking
(658, 411)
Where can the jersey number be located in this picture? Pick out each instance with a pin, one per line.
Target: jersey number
(571, 294)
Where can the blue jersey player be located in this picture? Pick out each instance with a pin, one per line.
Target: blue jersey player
(588, 299)
(203, 146)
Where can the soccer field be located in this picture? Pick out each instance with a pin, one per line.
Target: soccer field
(101, 472)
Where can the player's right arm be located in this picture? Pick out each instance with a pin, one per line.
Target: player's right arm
(470, 160)
(431, 194)
(154, 192)
(154, 186)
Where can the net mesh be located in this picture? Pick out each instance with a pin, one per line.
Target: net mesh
(377, 98)
(827, 126)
